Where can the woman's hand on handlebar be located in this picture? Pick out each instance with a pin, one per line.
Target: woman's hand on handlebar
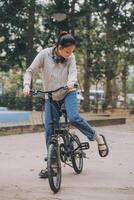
(26, 90)
(70, 85)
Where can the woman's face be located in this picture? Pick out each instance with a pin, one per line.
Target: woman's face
(66, 52)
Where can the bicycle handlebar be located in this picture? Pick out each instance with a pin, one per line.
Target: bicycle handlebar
(35, 91)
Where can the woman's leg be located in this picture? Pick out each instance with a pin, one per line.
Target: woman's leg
(80, 123)
(49, 126)
(74, 117)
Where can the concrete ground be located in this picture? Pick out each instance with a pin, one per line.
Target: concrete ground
(21, 158)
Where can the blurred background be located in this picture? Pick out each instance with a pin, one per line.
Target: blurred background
(104, 33)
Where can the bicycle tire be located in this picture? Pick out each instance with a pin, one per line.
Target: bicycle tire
(77, 156)
(54, 168)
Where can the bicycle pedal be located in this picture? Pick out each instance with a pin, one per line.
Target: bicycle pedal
(84, 145)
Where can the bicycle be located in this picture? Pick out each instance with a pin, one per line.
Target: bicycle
(69, 151)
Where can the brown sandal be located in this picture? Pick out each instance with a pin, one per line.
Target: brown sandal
(106, 150)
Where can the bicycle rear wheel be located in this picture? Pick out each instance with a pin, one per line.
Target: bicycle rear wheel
(54, 168)
(77, 155)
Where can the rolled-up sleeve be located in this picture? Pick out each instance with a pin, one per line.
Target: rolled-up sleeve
(72, 72)
(34, 67)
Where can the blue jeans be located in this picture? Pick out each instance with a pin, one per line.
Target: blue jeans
(75, 119)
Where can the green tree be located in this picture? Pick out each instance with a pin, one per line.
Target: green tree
(30, 31)
(12, 33)
(116, 22)
(91, 46)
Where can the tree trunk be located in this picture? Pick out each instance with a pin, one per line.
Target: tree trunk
(97, 98)
(86, 86)
(108, 91)
(30, 32)
(114, 92)
(72, 14)
(88, 63)
(124, 84)
(109, 56)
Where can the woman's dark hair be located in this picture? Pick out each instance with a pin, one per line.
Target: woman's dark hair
(65, 40)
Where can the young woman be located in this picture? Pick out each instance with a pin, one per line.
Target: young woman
(57, 67)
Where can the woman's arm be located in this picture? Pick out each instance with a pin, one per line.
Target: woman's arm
(33, 68)
(72, 73)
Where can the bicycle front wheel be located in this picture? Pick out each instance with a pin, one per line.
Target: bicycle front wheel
(76, 155)
(54, 168)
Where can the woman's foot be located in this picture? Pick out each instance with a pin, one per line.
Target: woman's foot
(102, 145)
(43, 173)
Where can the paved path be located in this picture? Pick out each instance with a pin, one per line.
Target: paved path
(21, 158)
